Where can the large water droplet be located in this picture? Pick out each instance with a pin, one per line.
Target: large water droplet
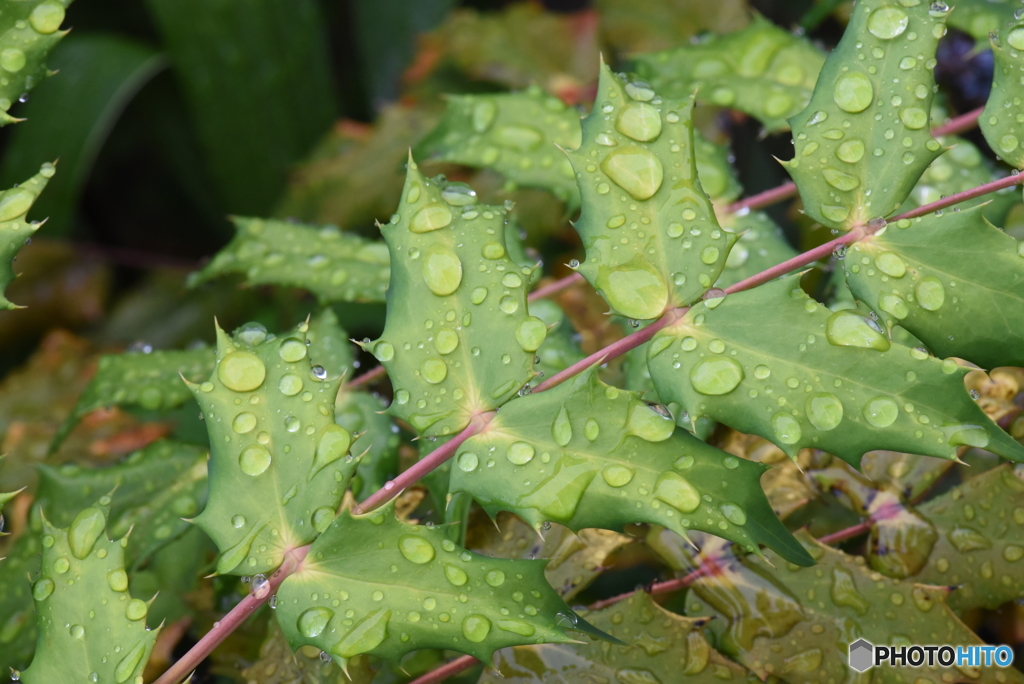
(636, 170)
(881, 412)
(416, 549)
(254, 460)
(334, 444)
(640, 121)
(887, 22)
(433, 216)
(456, 575)
(434, 370)
(520, 453)
(12, 60)
(561, 429)
(468, 461)
(592, 429)
(967, 435)
(649, 425)
(85, 530)
(853, 92)
(716, 376)
(848, 329)
(844, 592)
(241, 371)
(786, 428)
(1016, 39)
(126, 667)
(136, 609)
(476, 628)
(442, 270)
(839, 180)
(733, 513)
(365, 636)
(15, 202)
(851, 151)
(824, 411)
(47, 17)
(521, 138)
(292, 350)
(891, 264)
(495, 578)
(244, 422)
(634, 289)
(531, 333)
(617, 476)
(930, 293)
(894, 305)
(313, 622)
(42, 589)
(914, 117)
(483, 115)
(676, 491)
(516, 627)
(290, 384)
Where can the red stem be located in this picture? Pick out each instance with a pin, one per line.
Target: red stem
(764, 199)
(964, 122)
(848, 533)
(555, 287)
(231, 621)
(367, 377)
(992, 186)
(460, 664)
(796, 262)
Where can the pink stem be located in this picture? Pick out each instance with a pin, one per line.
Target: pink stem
(765, 199)
(367, 377)
(985, 189)
(964, 122)
(424, 465)
(460, 664)
(230, 622)
(796, 262)
(848, 533)
(555, 287)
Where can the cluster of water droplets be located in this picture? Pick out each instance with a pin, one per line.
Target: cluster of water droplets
(22, 48)
(1002, 121)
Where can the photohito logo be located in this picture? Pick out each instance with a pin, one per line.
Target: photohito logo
(864, 655)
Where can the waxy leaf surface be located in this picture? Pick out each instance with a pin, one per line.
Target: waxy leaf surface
(28, 31)
(90, 627)
(863, 141)
(761, 246)
(773, 362)
(458, 339)
(374, 584)
(334, 266)
(375, 442)
(1002, 122)
(658, 646)
(17, 613)
(14, 228)
(652, 239)
(585, 454)
(797, 622)
(279, 464)
(955, 281)
(762, 70)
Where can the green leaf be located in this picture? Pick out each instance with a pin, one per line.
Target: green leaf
(955, 281)
(717, 177)
(28, 31)
(414, 589)
(658, 646)
(151, 381)
(585, 454)
(516, 134)
(762, 70)
(454, 287)
(376, 439)
(1003, 133)
(72, 116)
(329, 345)
(773, 362)
(979, 545)
(561, 347)
(761, 246)
(981, 18)
(961, 167)
(638, 26)
(89, 625)
(17, 614)
(909, 474)
(652, 239)
(152, 491)
(278, 467)
(334, 266)
(251, 129)
(864, 141)
(769, 627)
(278, 664)
(14, 205)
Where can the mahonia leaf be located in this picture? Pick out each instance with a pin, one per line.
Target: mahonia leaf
(979, 547)
(560, 348)
(652, 239)
(90, 628)
(608, 460)
(515, 134)
(334, 266)
(153, 489)
(458, 340)
(999, 122)
(329, 345)
(909, 474)
(773, 362)
(278, 664)
(14, 205)
(761, 246)
(769, 627)
(657, 646)
(761, 69)
(960, 167)
(28, 31)
(717, 177)
(981, 18)
(150, 381)
(277, 468)
(413, 589)
(17, 614)
(954, 281)
(863, 141)
(376, 439)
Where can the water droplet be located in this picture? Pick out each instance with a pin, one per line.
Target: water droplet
(636, 170)
(1016, 38)
(733, 513)
(835, 213)
(254, 460)
(592, 429)
(42, 589)
(456, 575)
(521, 138)
(244, 422)
(334, 444)
(1013, 553)
(459, 195)
(786, 428)
(930, 293)
(561, 429)
(516, 627)
(709, 255)
(851, 151)
(673, 489)
(442, 270)
(914, 118)
(648, 424)
(433, 216)
(617, 476)
(483, 115)
(292, 350)
(313, 622)
(241, 371)
(365, 636)
(416, 549)
(639, 121)
(849, 329)
(967, 435)
(853, 92)
(891, 264)
(531, 333)
(634, 289)
(495, 578)
(844, 592)
(509, 304)
(434, 370)
(47, 17)
(238, 521)
(136, 609)
(824, 411)
(126, 667)
(839, 180)
(716, 376)
(881, 412)
(468, 461)
(520, 453)
(887, 22)
(290, 384)
(894, 305)
(85, 530)
(12, 60)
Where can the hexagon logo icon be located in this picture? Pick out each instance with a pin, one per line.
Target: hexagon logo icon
(862, 655)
